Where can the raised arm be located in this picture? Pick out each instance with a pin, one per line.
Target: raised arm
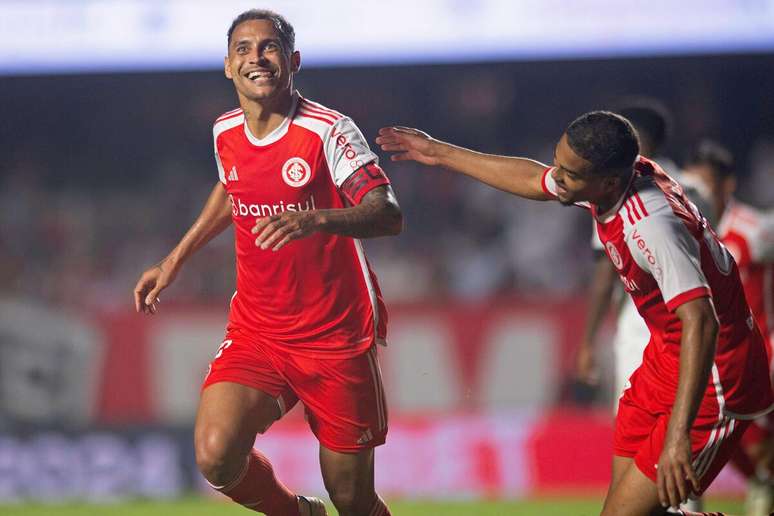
(519, 176)
(213, 219)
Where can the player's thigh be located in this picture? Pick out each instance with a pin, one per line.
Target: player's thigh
(348, 476)
(243, 394)
(344, 400)
(619, 467)
(233, 414)
(633, 495)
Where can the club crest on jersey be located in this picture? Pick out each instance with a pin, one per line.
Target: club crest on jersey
(296, 172)
(614, 256)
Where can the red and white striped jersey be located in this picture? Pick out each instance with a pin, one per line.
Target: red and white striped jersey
(318, 294)
(748, 234)
(666, 255)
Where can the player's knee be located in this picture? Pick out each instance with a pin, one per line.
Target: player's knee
(216, 457)
(348, 500)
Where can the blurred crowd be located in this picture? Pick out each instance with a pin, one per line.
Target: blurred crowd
(102, 174)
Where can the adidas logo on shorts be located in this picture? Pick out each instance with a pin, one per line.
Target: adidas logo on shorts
(365, 436)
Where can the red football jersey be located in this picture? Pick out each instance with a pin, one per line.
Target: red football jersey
(749, 234)
(666, 254)
(318, 294)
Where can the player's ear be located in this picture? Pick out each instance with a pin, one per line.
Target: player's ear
(227, 68)
(295, 61)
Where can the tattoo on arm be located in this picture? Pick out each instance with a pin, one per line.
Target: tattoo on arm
(378, 214)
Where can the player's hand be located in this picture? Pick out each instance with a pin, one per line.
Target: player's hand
(585, 365)
(277, 230)
(409, 144)
(675, 477)
(150, 284)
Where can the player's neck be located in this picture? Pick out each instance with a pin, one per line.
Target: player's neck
(609, 201)
(265, 116)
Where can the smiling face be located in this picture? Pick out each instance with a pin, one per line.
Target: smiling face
(576, 181)
(258, 64)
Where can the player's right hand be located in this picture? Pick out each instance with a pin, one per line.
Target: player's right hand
(409, 144)
(585, 365)
(150, 284)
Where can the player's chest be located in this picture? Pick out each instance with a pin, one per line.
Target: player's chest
(289, 171)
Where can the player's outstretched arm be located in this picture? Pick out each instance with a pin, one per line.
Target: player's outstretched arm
(213, 219)
(697, 352)
(519, 176)
(378, 214)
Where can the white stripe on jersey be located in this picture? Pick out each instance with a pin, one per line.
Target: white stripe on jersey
(219, 127)
(367, 277)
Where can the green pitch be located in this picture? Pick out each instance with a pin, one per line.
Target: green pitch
(201, 507)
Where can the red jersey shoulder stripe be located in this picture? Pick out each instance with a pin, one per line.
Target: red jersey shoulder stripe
(307, 114)
(321, 109)
(635, 212)
(317, 112)
(333, 119)
(319, 106)
(629, 211)
(640, 204)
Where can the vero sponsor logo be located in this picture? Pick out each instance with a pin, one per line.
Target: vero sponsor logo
(350, 153)
(655, 268)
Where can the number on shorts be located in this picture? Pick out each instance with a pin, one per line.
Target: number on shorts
(222, 348)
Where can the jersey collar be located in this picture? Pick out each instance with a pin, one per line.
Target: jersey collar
(279, 132)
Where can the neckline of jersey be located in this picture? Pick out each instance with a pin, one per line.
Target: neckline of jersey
(277, 133)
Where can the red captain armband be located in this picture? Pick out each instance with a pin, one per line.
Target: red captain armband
(362, 181)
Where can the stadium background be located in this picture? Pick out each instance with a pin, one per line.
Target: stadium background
(107, 158)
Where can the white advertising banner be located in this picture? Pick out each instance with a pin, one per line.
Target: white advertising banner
(48, 36)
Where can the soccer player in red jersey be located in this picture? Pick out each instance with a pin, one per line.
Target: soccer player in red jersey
(748, 233)
(300, 186)
(704, 373)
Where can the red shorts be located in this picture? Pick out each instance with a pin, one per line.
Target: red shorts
(640, 434)
(343, 397)
(761, 430)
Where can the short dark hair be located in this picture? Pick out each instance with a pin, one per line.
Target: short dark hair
(606, 140)
(650, 118)
(285, 30)
(714, 155)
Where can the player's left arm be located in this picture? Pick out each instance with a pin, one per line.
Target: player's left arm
(377, 214)
(662, 245)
